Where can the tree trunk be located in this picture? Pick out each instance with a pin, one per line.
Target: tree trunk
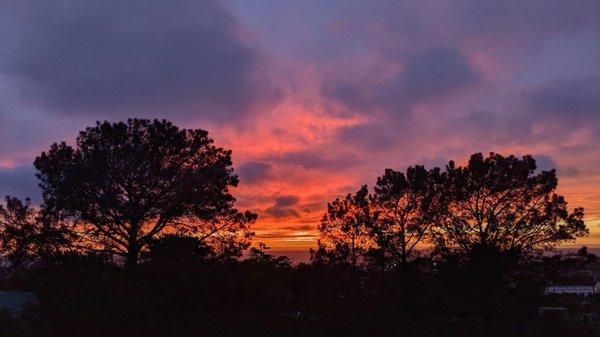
(403, 258)
(382, 257)
(132, 258)
(133, 249)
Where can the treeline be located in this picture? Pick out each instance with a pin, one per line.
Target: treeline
(138, 235)
(493, 205)
(124, 185)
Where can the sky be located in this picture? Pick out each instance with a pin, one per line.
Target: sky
(315, 98)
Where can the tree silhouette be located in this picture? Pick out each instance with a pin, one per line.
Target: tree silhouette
(126, 183)
(402, 204)
(343, 232)
(260, 255)
(501, 203)
(176, 250)
(27, 234)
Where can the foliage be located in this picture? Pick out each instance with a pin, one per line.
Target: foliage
(256, 297)
(126, 183)
(344, 232)
(403, 205)
(173, 249)
(494, 205)
(502, 203)
(27, 235)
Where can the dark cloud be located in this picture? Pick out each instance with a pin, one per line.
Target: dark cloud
(313, 206)
(490, 127)
(284, 235)
(314, 159)
(570, 101)
(116, 58)
(286, 200)
(569, 172)
(298, 228)
(539, 113)
(20, 182)
(283, 207)
(448, 72)
(371, 136)
(545, 162)
(254, 172)
(525, 19)
(281, 212)
(436, 72)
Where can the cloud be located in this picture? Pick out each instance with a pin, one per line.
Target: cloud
(284, 207)
(572, 101)
(370, 136)
(281, 212)
(490, 127)
(286, 200)
(254, 172)
(525, 20)
(313, 207)
(535, 115)
(20, 181)
(433, 73)
(286, 235)
(365, 86)
(117, 59)
(313, 159)
(545, 162)
(299, 228)
(569, 172)
(437, 72)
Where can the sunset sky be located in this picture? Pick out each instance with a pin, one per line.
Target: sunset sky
(315, 98)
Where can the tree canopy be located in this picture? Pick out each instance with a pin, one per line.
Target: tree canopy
(403, 204)
(503, 203)
(493, 204)
(344, 237)
(26, 234)
(125, 183)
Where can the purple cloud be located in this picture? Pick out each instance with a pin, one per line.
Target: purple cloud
(571, 101)
(313, 159)
(283, 207)
(20, 181)
(434, 73)
(254, 172)
(118, 59)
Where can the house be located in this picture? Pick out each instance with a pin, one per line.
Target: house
(560, 313)
(15, 301)
(578, 289)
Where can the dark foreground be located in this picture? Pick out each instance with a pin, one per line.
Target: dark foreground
(265, 296)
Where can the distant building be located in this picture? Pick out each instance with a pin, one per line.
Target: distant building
(15, 301)
(561, 313)
(577, 290)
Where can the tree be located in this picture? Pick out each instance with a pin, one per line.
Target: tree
(502, 204)
(260, 256)
(178, 250)
(126, 183)
(343, 235)
(402, 204)
(27, 234)
(584, 253)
